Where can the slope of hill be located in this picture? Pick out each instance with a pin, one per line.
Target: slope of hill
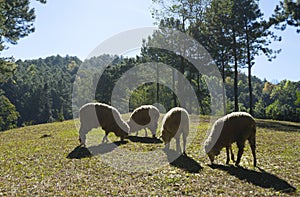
(46, 160)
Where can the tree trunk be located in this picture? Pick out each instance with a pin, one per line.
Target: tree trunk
(199, 94)
(223, 84)
(174, 89)
(249, 71)
(180, 90)
(236, 101)
(250, 90)
(157, 84)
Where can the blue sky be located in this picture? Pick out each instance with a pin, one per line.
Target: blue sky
(77, 27)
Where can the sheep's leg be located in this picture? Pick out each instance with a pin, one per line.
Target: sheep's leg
(153, 130)
(240, 152)
(178, 149)
(184, 136)
(105, 139)
(82, 137)
(167, 146)
(146, 134)
(227, 154)
(253, 147)
(232, 155)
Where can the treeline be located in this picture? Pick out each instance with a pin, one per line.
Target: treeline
(41, 91)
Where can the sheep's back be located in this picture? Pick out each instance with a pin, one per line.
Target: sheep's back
(176, 119)
(237, 126)
(141, 117)
(93, 115)
(144, 115)
(104, 115)
(88, 116)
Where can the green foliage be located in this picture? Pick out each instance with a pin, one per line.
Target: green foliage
(260, 109)
(7, 69)
(297, 102)
(288, 12)
(284, 99)
(8, 114)
(41, 89)
(232, 31)
(16, 21)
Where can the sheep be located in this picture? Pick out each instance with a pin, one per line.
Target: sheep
(145, 116)
(175, 123)
(93, 115)
(234, 127)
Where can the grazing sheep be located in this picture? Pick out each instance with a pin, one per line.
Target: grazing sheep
(235, 127)
(93, 115)
(174, 124)
(145, 116)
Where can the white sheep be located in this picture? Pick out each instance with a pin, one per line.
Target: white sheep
(234, 127)
(93, 115)
(174, 124)
(145, 116)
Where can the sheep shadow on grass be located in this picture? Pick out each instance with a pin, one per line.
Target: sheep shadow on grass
(82, 152)
(145, 140)
(79, 152)
(183, 161)
(259, 178)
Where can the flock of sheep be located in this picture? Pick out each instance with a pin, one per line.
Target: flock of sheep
(235, 127)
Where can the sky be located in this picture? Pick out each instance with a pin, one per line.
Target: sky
(77, 27)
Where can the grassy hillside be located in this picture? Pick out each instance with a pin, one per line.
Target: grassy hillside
(46, 160)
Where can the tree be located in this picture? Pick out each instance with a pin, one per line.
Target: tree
(284, 106)
(297, 102)
(8, 114)
(179, 15)
(257, 37)
(16, 21)
(213, 34)
(288, 13)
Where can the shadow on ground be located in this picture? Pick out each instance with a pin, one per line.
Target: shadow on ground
(183, 161)
(282, 126)
(262, 178)
(82, 152)
(79, 152)
(145, 140)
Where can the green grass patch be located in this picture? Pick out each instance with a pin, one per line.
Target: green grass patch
(45, 160)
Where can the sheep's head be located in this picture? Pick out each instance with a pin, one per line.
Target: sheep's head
(211, 157)
(212, 153)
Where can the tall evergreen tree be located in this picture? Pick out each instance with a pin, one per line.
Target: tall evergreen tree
(257, 37)
(287, 13)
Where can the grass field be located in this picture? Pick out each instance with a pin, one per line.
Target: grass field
(45, 160)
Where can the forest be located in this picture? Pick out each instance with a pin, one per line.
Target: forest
(233, 32)
(41, 91)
